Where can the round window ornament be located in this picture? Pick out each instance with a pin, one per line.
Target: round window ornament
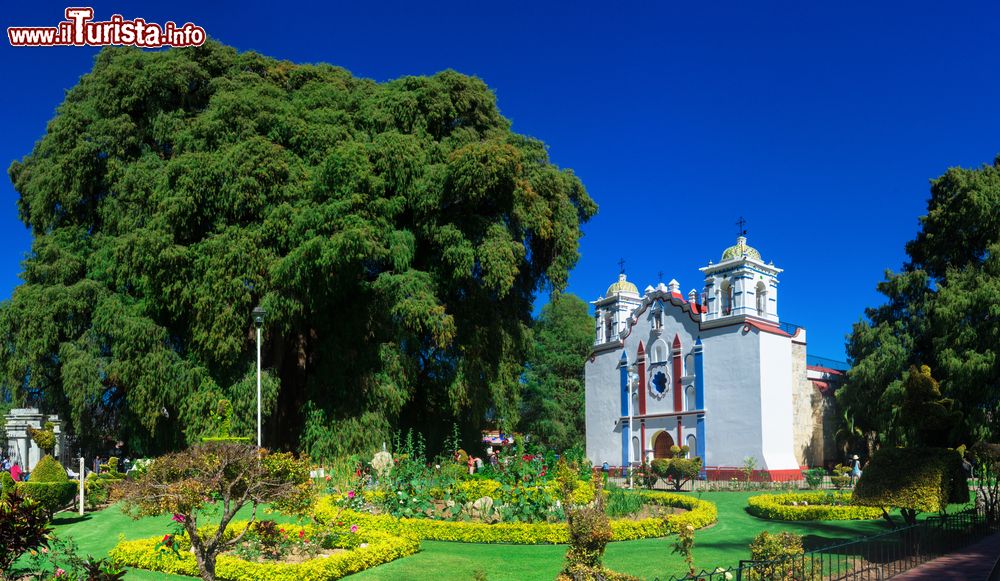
(659, 384)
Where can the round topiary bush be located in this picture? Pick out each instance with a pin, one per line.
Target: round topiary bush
(48, 469)
(809, 506)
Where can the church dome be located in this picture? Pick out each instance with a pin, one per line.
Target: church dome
(622, 286)
(739, 249)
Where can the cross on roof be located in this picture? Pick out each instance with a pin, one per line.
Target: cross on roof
(743, 226)
(660, 274)
(621, 265)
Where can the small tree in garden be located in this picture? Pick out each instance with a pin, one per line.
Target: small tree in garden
(749, 465)
(912, 480)
(684, 545)
(24, 525)
(589, 532)
(987, 462)
(188, 484)
(677, 470)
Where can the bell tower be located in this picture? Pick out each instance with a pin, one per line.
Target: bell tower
(741, 285)
(611, 311)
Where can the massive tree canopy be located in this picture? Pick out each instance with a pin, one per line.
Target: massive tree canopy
(395, 233)
(943, 312)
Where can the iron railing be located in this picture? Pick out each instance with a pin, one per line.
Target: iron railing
(827, 362)
(870, 558)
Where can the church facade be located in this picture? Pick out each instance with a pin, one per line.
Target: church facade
(716, 372)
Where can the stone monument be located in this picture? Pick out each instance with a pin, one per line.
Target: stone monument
(19, 445)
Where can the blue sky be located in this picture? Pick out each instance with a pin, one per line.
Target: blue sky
(820, 125)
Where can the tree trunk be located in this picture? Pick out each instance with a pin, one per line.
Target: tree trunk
(206, 564)
(885, 514)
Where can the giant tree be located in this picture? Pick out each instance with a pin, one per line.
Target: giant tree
(396, 234)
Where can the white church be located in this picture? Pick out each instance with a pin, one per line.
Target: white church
(716, 372)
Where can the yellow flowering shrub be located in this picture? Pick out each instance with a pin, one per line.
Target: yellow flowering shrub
(809, 506)
(699, 513)
(381, 548)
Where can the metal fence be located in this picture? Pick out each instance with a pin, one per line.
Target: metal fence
(867, 558)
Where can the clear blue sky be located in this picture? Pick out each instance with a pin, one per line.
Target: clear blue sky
(819, 125)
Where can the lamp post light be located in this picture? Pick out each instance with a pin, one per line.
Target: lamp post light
(258, 321)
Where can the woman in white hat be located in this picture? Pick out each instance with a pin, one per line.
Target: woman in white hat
(855, 469)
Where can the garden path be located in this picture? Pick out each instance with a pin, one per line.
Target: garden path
(973, 563)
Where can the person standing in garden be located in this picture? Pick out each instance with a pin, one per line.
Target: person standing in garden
(855, 469)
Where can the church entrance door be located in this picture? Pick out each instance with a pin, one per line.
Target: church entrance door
(662, 444)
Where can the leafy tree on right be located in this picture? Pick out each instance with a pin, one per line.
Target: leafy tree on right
(941, 311)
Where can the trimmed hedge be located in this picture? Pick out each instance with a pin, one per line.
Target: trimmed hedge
(700, 513)
(819, 507)
(915, 479)
(381, 548)
(51, 495)
(7, 483)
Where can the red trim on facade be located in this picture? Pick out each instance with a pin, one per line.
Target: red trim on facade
(766, 327)
(642, 441)
(680, 438)
(641, 359)
(731, 472)
(678, 372)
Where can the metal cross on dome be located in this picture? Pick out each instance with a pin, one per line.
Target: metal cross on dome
(621, 265)
(743, 226)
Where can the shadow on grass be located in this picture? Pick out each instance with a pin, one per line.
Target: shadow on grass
(68, 520)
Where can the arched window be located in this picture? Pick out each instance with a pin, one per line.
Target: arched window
(761, 299)
(727, 298)
(689, 395)
(608, 326)
(692, 444)
(636, 452)
(659, 352)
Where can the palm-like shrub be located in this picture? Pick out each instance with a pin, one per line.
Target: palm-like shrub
(24, 525)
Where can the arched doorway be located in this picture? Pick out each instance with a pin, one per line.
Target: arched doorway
(662, 444)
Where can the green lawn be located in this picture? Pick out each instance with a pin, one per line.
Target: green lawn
(722, 544)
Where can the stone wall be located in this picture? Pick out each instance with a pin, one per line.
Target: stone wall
(803, 410)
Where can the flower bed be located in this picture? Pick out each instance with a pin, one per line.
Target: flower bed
(809, 506)
(699, 513)
(378, 548)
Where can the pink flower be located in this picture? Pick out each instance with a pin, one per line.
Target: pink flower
(354, 528)
(59, 572)
(302, 534)
(350, 494)
(179, 518)
(327, 478)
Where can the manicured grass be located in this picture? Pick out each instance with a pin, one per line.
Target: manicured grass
(722, 544)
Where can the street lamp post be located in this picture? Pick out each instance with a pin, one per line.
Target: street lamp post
(258, 321)
(633, 381)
